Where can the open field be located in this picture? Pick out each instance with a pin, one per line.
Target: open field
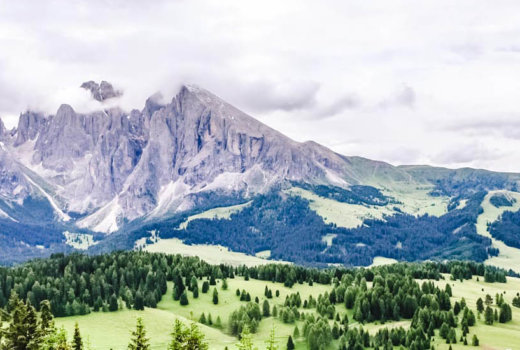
(213, 254)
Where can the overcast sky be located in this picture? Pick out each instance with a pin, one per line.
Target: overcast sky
(431, 82)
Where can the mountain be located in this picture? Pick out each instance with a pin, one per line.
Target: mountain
(105, 180)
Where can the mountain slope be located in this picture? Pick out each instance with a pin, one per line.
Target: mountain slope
(127, 173)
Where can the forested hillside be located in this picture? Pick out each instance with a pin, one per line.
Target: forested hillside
(409, 305)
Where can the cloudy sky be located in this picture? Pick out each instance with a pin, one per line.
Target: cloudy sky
(434, 82)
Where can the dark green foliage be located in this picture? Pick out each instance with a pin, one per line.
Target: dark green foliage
(501, 200)
(318, 333)
(184, 299)
(23, 332)
(187, 338)
(354, 195)
(266, 309)
(215, 296)
(507, 229)
(113, 306)
(77, 342)
(290, 343)
(480, 305)
(248, 315)
(205, 287)
(139, 340)
(506, 313)
(475, 341)
(488, 316)
(516, 301)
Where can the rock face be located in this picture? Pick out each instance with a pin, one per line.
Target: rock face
(102, 91)
(111, 167)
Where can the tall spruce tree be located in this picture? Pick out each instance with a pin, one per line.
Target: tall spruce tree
(271, 341)
(290, 343)
(77, 342)
(139, 340)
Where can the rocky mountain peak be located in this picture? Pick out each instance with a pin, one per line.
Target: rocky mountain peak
(102, 91)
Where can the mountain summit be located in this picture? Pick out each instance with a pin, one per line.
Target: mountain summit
(113, 170)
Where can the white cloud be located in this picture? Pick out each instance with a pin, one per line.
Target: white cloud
(397, 80)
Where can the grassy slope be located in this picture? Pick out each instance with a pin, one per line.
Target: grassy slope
(497, 336)
(215, 213)
(509, 257)
(158, 321)
(213, 254)
(414, 200)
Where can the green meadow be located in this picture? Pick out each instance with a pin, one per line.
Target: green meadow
(111, 330)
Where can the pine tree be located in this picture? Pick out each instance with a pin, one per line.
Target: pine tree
(77, 342)
(448, 290)
(184, 299)
(475, 341)
(290, 343)
(47, 320)
(488, 316)
(205, 287)
(139, 340)
(480, 305)
(271, 342)
(202, 319)
(296, 332)
(266, 309)
(33, 334)
(179, 335)
(215, 296)
(139, 301)
(246, 340)
(224, 284)
(505, 313)
(113, 306)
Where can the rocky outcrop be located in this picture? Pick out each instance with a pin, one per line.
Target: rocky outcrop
(102, 91)
(114, 167)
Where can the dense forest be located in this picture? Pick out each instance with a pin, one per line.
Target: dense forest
(78, 284)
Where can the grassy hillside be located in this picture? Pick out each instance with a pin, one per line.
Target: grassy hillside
(158, 321)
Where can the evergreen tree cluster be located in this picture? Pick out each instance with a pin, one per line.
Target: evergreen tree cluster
(248, 315)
